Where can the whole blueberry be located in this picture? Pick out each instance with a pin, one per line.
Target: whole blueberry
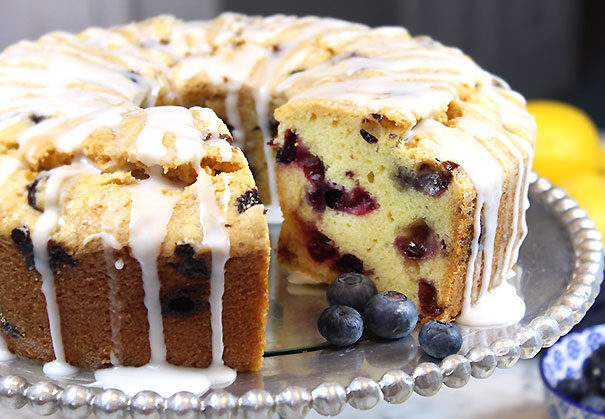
(439, 339)
(574, 388)
(594, 371)
(594, 402)
(352, 290)
(340, 325)
(390, 315)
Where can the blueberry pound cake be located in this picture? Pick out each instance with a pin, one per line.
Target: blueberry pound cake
(131, 224)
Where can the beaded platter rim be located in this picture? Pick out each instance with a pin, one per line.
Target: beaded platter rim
(395, 386)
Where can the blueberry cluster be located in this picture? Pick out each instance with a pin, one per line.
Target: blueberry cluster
(323, 193)
(589, 389)
(355, 302)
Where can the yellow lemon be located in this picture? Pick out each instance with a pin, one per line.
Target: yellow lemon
(589, 191)
(602, 160)
(567, 143)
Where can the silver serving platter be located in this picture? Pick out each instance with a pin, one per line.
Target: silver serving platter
(561, 265)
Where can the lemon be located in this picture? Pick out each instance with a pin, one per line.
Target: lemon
(589, 191)
(601, 167)
(567, 143)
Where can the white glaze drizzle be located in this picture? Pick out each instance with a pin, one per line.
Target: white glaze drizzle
(215, 237)
(158, 375)
(54, 65)
(413, 100)
(510, 107)
(261, 101)
(76, 90)
(514, 145)
(163, 379)
(499, 305)
(460, 146)
(149, 146)
(150, 150)
(115, 307)
(151, 209)
(401, 62)
(5, 354)
(64, 107)
(43, 230)
(150, 214)
(149, 231)
(8, 166)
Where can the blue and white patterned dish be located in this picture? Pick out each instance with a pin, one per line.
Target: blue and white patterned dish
(564, 360)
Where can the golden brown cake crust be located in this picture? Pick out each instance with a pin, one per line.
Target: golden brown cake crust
(90, 203)
(83, 295)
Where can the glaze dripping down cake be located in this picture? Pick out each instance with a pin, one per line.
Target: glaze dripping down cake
(132, 226)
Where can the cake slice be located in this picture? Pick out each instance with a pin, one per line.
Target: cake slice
(431, 208)
(113, 256)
